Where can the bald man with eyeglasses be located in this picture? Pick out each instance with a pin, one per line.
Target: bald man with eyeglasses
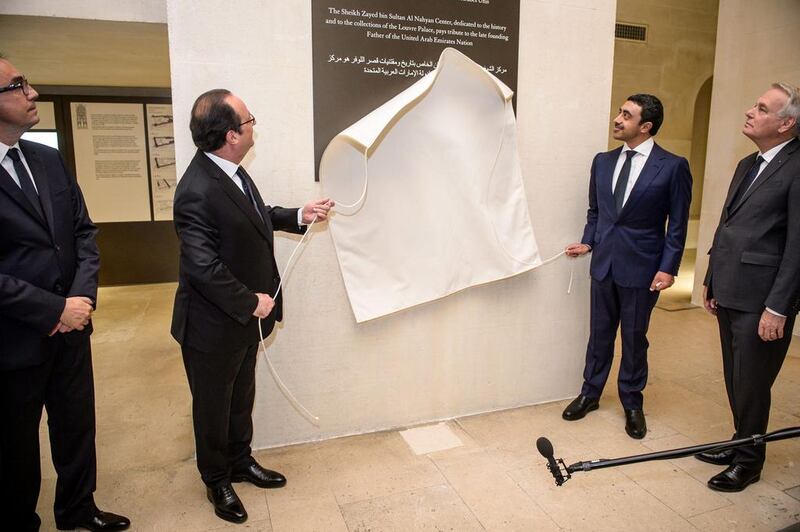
(49, 264)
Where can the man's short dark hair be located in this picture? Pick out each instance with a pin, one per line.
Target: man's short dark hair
(652, 110)
(212, 118)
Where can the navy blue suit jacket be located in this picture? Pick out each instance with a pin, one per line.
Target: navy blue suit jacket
(648, 235)
(42, 261)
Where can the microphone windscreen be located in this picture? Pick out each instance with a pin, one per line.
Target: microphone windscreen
(545, 447)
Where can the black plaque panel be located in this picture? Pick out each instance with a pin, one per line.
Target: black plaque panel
(366, 51)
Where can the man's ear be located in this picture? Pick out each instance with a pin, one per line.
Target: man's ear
(788, 124)
(646, 127)
(231, 137)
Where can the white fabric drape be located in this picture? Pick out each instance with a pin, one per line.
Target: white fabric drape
(444, 206)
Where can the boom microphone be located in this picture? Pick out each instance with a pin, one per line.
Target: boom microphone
(545, 448)
(555, 466)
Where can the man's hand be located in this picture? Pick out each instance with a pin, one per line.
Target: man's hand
(662, 281)
(60, 328)
(77, 313)
(709, 304)
(264, 307)
(577, 249)
(770, 326)
(317, 209)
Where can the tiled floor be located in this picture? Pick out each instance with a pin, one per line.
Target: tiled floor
(494, 481)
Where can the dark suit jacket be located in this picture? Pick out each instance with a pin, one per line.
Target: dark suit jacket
(42, 261)
(755, 255)
(634, 245)
(226, 256)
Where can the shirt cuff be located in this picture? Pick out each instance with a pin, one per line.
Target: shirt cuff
(300, 218)
(775, 313)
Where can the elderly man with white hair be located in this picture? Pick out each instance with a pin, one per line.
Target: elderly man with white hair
(752, 284)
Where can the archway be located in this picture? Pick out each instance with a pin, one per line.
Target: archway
(679, 296)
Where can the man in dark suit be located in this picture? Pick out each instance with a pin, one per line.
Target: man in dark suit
(634, 192)
(227, 280)
(752, 283)
(48, 287)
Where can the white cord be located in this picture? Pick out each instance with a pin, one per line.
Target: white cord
(571, 275)
(494, 228)
(278, 381)
(363, 190)
(281, 386)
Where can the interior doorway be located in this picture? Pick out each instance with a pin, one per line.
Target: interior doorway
(679, 297)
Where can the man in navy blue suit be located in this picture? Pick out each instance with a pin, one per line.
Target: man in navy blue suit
(639, 196)
(49, 263)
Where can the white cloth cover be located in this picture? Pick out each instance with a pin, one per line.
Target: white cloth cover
(444, 206)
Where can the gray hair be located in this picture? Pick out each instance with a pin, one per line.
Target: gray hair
(792, 107)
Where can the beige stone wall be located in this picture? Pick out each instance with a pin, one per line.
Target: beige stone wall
(68, 51)
(757, 44)
(673, 64)
(129, 10)
(499, 345)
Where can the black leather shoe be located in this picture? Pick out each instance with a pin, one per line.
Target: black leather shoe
(101, 521)
(579, 407)
(735, 478)
(723, 457)
(257, 475)
(226, 503)
(635, 425)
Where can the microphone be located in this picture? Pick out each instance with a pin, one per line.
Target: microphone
(545, 448)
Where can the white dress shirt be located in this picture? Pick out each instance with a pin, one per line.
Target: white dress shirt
(8, 164)
(230, 170)
(637, 163)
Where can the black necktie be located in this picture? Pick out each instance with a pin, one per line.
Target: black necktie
(748, 180)
(25, 181)
(622, 180)
(248, 193)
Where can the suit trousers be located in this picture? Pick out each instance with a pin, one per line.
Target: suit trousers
(223, 389)
(751, 366)
(614, 306)
(64, 386)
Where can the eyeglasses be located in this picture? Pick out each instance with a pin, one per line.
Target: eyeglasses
(252, 119)
(19, 84)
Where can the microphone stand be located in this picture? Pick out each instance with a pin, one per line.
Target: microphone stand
(756, 439)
